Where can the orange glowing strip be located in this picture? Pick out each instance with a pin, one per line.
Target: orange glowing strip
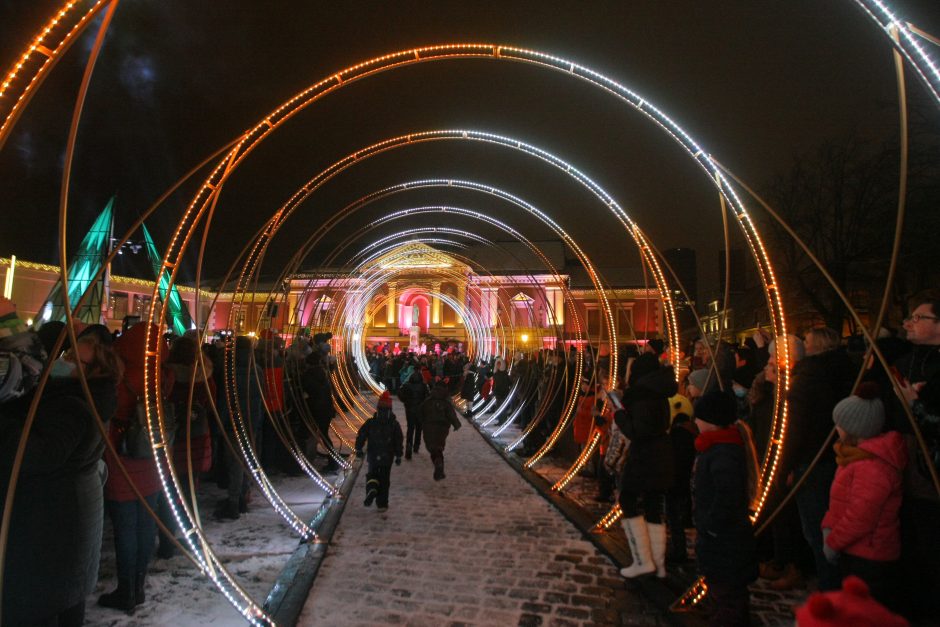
(11, 104)
(579, 463)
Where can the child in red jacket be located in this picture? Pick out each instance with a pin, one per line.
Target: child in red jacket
(861, 530)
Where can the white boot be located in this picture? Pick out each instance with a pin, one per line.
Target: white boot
(639, 539)
(658, 547)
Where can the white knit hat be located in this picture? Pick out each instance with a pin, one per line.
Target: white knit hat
(862, 414)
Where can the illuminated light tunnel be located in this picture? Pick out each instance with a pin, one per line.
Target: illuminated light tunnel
(24, 79)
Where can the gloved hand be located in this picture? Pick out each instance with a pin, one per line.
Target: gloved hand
(398, 461)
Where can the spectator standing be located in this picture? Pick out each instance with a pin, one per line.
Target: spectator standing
(861, 530)
(724, 544)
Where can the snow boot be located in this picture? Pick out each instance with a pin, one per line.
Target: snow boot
(658, 547)
(121, 598)
(139, 595)
(372, 490)
(639, 540)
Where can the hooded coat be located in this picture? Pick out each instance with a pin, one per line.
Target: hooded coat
(644, 420)
(866, 497)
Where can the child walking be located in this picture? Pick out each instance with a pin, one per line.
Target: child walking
(383, 435)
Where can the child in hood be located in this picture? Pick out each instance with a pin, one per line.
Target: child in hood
(861, 530)
(383, 435)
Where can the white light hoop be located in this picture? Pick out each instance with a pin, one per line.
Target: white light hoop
(907, 43)
(208, 193)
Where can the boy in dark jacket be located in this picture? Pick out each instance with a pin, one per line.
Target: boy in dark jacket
(383, 434)
(724, 545)
(437, 416)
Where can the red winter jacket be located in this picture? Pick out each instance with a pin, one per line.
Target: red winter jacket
(143, 472)
(865, 498)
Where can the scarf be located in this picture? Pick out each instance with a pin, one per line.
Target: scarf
(727, 435)
(846, 454)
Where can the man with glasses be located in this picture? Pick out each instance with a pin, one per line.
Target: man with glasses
(919, 374)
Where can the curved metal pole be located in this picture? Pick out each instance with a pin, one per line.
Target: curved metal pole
(63, 211)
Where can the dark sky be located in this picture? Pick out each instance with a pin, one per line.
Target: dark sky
(756, 82)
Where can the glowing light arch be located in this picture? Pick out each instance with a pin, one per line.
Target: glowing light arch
(872, 7)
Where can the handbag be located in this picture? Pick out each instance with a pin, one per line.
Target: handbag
(135, 439)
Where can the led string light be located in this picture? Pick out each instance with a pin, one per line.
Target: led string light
(907, 42)
(44, 55)
(197, 209)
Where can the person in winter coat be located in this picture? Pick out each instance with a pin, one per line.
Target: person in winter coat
(682, 435)
(468, 388)
(583, 424)
(724, 545)
(412, 395)
(248, 410)
(318, 391)
(54, 546)
(501, 386)
(134, 527)
(382, 434)
(819, 381)
(192, 445)
(861, 530)
(437, 417)
(648, 471)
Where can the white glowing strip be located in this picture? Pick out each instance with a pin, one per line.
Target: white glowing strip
(908, 44)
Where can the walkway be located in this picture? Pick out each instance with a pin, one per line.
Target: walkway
(479, 548)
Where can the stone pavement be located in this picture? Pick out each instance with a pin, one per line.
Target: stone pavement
(481, 547)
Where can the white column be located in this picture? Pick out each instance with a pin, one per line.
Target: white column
(392, 306)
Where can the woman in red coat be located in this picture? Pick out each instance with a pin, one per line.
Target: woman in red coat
(134, 527)
(861, 530)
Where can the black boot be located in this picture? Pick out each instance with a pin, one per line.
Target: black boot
(139, 595)
(227, 510)
(122, 598)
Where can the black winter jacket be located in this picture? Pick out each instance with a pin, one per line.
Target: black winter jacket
(724, 545)
(383, 435)
(644, 420)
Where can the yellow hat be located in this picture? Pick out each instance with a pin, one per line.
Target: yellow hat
(679, 404)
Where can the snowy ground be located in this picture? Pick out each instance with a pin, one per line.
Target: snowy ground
(254, 548)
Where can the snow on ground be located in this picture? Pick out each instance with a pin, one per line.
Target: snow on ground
(253, 548)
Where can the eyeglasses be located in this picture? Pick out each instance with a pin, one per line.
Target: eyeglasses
(918, 317)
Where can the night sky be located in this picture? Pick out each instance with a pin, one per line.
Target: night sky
(758, 83)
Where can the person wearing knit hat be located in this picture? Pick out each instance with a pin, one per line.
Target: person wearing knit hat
(852, 606)
(682, 434)
(861, 530)
(697, 381)
(383, 435)
(724, 544)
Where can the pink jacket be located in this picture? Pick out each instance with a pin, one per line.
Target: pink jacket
(865, 498)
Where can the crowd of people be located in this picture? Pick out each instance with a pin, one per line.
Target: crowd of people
(69, 473)
(680, 442)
